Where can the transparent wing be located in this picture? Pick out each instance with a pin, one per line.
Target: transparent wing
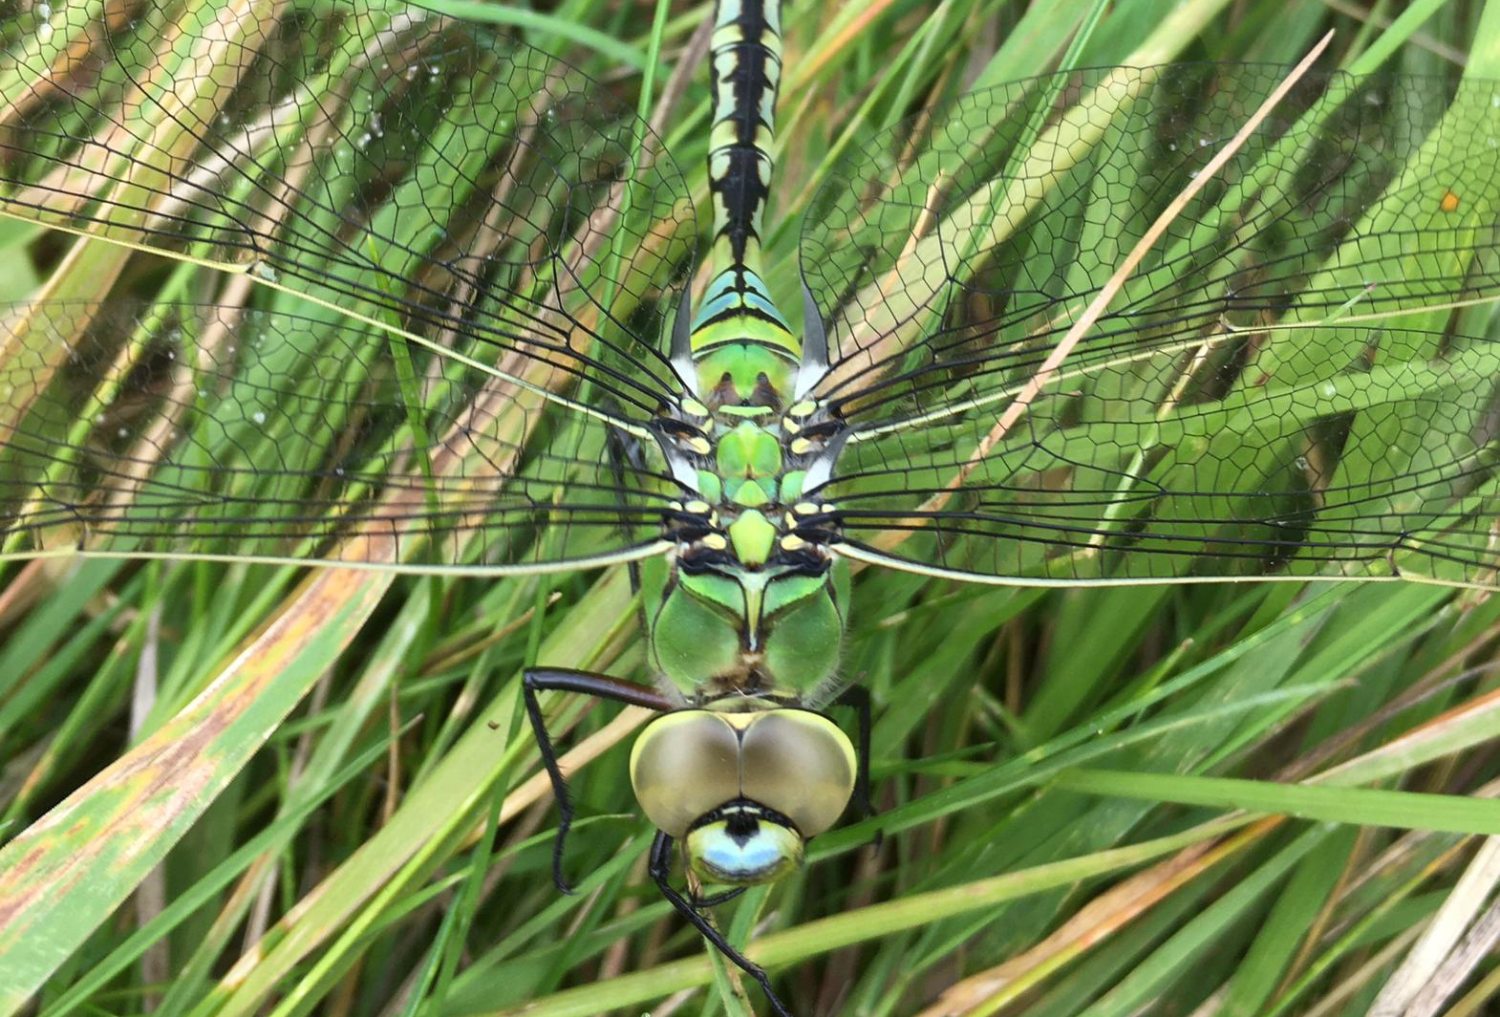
(454, 257)
(204, 431)
(413, 170)
(1297, 380)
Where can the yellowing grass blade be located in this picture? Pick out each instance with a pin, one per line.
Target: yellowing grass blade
(62, 877)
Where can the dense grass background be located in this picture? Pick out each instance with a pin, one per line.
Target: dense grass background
(1057, 770)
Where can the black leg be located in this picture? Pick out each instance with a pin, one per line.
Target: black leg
(661, 871)
(713, 900)
(857, 698)
(623, 450)
(580, 682)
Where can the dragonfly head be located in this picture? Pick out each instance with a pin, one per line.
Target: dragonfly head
(743, 791)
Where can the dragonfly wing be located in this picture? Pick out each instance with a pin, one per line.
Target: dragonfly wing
(1276, 391)
(203, 431)
(413, 170)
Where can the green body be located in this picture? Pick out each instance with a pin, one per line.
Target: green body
(749, 607)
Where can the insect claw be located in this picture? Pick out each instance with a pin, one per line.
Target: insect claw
(776, 1003)
(713, 900)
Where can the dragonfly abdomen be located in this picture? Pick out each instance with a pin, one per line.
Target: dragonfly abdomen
(742, 343)
(746, 72)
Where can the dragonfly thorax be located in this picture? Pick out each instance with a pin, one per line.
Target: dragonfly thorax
(751, 583)
(750, 466)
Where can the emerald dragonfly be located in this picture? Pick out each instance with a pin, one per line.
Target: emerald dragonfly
(473, 339)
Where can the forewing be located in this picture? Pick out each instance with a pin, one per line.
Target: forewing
(1258, 401)
(202, 431)
(413, 170)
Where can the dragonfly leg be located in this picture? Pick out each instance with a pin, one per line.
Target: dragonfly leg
(713, 900)
(857, 698)
(579, 683)
(624, 451)
(661, 871)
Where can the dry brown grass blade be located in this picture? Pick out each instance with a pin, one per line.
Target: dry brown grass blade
(1114, 910)
(127, 817)
(1460, 965)
(1435, 951)
(1098, 920)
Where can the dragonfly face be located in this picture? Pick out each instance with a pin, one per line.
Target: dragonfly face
(743, 790)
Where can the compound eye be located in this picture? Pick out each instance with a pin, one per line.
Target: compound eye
(684, 765)
(799, 764)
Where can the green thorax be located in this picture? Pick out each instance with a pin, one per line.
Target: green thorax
(748, 609)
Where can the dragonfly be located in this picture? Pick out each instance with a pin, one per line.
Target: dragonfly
(465, 329)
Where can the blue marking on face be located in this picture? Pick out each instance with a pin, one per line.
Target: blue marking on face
(756, 855)
(730, 850)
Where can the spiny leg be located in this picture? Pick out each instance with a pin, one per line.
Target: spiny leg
(857, 698)
(661, 871)
(623, 450)
(713, 900)
(580, 683)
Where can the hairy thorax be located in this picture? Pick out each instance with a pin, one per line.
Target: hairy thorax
(750, 603)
